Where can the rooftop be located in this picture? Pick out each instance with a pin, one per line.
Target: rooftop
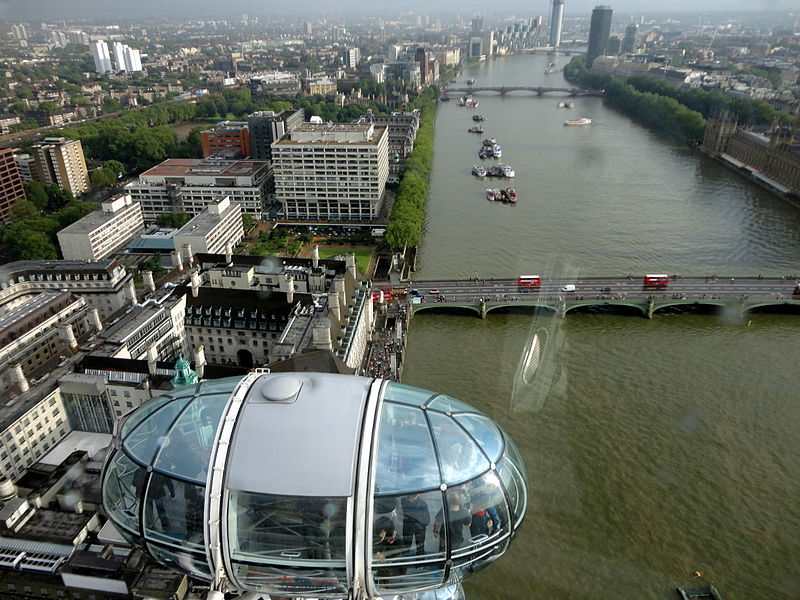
(20, 267)
(334, 134)
(183, 167)
(207, 220)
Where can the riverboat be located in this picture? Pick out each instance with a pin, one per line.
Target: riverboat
(507, 170)
(463, 100)
(470, 82)
(704, 593)
(478, 171)
(492, 193)
(478, 118)
(494, 171)
(497, 151)
(490, 142)
(569, 104)
(581, 121)
(485, 152)
(510, 194)
(477, 129)
(472, 103)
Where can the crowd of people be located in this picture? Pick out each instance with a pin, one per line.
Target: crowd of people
(385, 345)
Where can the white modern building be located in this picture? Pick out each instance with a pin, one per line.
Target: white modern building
(102, 58)
(24, 166)
(332, 171)
(100, 233)
(217, 228)
(190, 184)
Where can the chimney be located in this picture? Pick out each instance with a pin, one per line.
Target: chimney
(228, 253)
(187, 249)
(338, 286)
(199, 360)
(152, 358)
(132, 291)
(315, 257)
(322, 334)
(18, 377)
(333, 306)
(177, 261)
(68, 336)
(350, 261)
(290, 288)
(147, 278)
(94, 319)
(195, 284)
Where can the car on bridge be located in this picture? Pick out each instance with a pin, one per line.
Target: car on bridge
(569, 287)
(434, 291)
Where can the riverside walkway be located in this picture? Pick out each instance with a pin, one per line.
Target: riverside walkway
(484, 295)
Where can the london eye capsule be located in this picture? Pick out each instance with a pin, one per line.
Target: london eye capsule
(315, 485)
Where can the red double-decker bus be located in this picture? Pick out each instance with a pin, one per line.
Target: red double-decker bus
(656, 280)
(529, 281)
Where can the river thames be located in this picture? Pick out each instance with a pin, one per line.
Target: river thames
(656, 447)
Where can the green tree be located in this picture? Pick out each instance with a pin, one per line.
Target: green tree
(174, 220)
(247, 221)
(36, 194)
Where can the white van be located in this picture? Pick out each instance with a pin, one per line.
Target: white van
(570, 287)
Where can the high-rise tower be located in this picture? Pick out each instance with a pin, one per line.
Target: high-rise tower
(599, 30)
(102, 59)
(631, 37)
(555, 22)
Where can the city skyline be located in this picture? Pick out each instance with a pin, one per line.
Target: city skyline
(94, 9)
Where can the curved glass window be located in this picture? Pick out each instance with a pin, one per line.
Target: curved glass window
(186, 449)
(121, 487)
(141, 413)
(487, 434)
(515, 488)
(151, 435)
(193, 563)
(283, 529)
(405, 394)
(406, 460)
(460, 458)
(451, 405)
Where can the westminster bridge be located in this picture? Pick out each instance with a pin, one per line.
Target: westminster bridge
(536, 90)
(732, 295)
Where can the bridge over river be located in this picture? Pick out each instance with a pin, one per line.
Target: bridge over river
(537, 90)
(740, 294)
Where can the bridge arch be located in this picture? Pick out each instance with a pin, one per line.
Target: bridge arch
(446, 307)
(624, 308)
(691, 306)
(518, 307)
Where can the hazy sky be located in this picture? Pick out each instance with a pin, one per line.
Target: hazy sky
(136, 9)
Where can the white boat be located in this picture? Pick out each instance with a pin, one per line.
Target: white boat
(497, 151)
(507, 171)
(581, 121)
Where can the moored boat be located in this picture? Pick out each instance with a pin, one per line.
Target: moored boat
(497, 151)
(478, 118)
(477, 129)
(478, 171)
(510, 194)
(569, 104)
(491, 193)
(581, 121)
(494, 171)
(507, 170)
(470, 82)
(472, 103)
(484, 152)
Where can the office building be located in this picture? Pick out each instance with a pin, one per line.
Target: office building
(104, 284)
(599, 31)
(100, 233)
(556, 20)
(476, 47)
(351, 57)
(24, 166)
(320, 86)
(614, 46)
(267, 127)
(217, 228)
(477, 26)
(11, 188)
(629, 43)
(190, 184)
(403, 127)
(287, 84)
(332, 171)
(102, 59)
(229, 139)
(328, 505)
(60, 162)
(421, 56)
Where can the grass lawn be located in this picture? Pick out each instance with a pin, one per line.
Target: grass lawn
(362, 255)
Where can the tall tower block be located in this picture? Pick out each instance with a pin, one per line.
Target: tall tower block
(555, 22)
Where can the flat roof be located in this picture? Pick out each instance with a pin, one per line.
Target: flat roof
(10, 270)
(182, 167)
(12, 317)
(94, 220)
(333, 134)
(205, 221)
